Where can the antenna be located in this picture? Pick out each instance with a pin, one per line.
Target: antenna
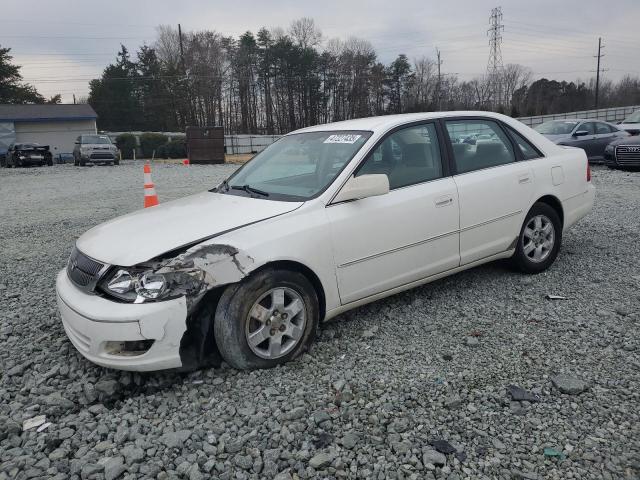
(494, 66)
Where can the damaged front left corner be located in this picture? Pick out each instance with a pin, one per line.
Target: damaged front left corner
(202, 268)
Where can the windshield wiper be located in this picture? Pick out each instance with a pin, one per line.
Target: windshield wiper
(249, 189)
(223, 187)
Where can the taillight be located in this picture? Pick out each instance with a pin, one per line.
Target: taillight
(588, 172)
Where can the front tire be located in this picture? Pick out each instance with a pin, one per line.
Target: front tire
(539, 240)
(267, 319)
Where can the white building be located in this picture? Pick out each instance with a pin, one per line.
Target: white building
(55, 125)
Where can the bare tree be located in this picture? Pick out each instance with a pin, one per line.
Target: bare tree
(305, 32)
(514, 76)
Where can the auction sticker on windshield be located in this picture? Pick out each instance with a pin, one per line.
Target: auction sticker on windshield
(342, 138)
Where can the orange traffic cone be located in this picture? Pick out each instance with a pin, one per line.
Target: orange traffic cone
(150, 196)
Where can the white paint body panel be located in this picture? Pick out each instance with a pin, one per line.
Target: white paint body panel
(395, 238)
(359, 251)
(493, 203)
(156, 230)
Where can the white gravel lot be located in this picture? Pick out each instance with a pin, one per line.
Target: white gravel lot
(376, 392)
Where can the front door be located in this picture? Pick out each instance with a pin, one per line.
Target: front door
(410, 233)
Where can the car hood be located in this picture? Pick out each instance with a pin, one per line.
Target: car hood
(144, 234)
(629, 126)
(630, 140)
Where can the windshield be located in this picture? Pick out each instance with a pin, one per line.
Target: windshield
(557, 127)
(633, 118)
(296, 167)
(96, 139)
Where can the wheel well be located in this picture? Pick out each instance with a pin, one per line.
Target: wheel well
(554, 203)
(307, 272)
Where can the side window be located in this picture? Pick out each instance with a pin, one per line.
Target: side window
(588, 127)
(408, 156)
(485, 145)
(602, 128)
(528, 151)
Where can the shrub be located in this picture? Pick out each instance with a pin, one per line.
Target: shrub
(126, 142)
(176, 148)
(150, 142)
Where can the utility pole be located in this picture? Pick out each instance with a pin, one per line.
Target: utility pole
(494, 66)
(439, 86)
(74, 98)
(599, 56)
(181, 49)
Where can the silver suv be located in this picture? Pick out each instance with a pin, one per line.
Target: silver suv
(95, 149)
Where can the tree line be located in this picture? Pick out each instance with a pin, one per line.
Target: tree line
(12, 87)
(277, 80)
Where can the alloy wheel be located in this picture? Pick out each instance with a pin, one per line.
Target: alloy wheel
(538, 238)
(276, 323)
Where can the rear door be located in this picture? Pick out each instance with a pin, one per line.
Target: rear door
(410, 233)
(494, 189)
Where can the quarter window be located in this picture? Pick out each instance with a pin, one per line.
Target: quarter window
(528, 151)
(479, 144)
(408, 156)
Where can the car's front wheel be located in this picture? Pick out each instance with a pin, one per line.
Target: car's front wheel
(539, 240)
(267, 319)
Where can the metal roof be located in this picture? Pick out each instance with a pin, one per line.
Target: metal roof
(46, 112)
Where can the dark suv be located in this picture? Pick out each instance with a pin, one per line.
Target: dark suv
(95, 149)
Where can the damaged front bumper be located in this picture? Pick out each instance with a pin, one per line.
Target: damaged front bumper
(124, 336)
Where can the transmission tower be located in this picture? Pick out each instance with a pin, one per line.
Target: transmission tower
(494, 66)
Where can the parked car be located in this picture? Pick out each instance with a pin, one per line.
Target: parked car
(632, 123)
(95, 149)
(623, 153)
(590, 135)
(248, 269)
(27, 154)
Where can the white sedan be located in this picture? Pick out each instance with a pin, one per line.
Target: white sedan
(324, 220)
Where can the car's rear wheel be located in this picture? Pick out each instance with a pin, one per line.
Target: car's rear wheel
(540, 239)
(267, 319)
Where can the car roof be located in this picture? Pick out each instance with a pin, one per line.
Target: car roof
(577, 120)
(387, 122)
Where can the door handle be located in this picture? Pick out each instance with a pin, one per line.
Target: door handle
(524, 178)
(443, 201)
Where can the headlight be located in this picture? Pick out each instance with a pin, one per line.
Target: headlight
(139, 286)
(609, 148)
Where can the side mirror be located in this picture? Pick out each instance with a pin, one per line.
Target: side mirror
(581, 133)
(363, 186)
(76, 143)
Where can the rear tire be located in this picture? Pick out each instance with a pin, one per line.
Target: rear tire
(267, 319)
(539, 240)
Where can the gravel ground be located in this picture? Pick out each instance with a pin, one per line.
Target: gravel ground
(414, 386)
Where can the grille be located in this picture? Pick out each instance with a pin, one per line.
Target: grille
(82, 270)
(101, 156)
(628, 154)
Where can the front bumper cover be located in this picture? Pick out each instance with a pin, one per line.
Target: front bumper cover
(91, 322)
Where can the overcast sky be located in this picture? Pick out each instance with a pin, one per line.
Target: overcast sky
(63, 43)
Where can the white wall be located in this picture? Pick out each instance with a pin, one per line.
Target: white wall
(59, 135)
